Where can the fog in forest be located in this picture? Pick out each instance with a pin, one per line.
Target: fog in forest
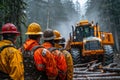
(62, 15)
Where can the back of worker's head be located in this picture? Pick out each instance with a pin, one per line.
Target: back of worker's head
(48, 36)
(57, 35)
(34, 31)
(57, 39)
(9, 32)
(62, 42)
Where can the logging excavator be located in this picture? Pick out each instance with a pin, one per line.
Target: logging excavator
(88, 43)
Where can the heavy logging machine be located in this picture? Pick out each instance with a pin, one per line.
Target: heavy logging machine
(88, 43)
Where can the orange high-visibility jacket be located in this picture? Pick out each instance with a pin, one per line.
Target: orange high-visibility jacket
(43, 63)
(47, 45)
(11, 61)
(60, 61)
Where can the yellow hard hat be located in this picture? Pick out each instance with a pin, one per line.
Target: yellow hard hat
(57, 35)
(34, 29)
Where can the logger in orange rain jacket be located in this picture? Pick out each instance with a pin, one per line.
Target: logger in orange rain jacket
(11, 59)
(48, 37)
(60, 43)
(39, 62)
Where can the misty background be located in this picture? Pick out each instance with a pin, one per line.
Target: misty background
(61, 15)
(54, 14)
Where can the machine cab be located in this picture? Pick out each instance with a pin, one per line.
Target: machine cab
(83, 30)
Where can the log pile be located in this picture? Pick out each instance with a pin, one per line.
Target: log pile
(96, 71)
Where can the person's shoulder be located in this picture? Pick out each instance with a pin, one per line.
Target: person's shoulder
(39, 48)
(10, 46)
(65, 51)
(13, 49)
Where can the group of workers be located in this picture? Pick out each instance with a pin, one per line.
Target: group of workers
(34, 60)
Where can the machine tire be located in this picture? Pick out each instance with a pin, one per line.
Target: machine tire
(108, 56)
(75, 52)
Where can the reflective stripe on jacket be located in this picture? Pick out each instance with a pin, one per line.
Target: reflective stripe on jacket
(11, 61)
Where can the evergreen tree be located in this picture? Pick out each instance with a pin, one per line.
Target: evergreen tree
(13, 11)
(107, 15)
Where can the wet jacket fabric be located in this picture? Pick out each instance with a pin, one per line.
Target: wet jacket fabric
(69, 62)
(47, 45)
(44, 61)
(11, 61)
(60, 61)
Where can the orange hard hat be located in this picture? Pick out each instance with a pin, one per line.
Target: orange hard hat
(9, 28)
(57, 35)
(34, 29)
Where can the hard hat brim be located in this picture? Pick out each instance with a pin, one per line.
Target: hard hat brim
(58, 38)
(11, 32)
(50, 38)
(33, 33)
